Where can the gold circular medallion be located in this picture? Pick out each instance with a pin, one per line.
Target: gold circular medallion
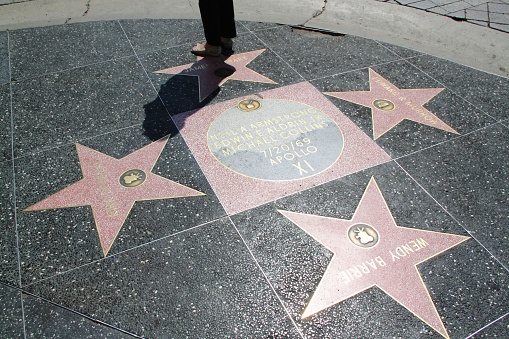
(363, 235)
(132, 178)
(249, 105)
(384, 105)
(224, 72)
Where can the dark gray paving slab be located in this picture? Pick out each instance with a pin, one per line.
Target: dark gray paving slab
(4, 289)
(4, 58)
(41, 232)
(486, 91)
(496, 330)
(45, 320)
(316, 55)
(52, 49)
(468, 176)
(9, 272)
(150, 35)
(461, 280)
(400, 51)
(180, 93)
(11, 316)
(407, 136)
(60, 108)
(5, 123)
(198, 284)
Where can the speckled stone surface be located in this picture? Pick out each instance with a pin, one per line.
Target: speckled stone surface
(83, 102)
(294, 262)
(5, 123)
(11, 315)
(236, 260)
(41, 232)
(4, 59)
(8, 241)
(497, 330)
(180, 93)
(51, 49)
(201, 284)
(452, 109)
(485, 91)
(471, 169)
(45, 320)
(315, 55)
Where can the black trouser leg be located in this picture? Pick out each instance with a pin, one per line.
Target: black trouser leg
(218, 20)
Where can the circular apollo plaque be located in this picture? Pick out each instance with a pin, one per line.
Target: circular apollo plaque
(132, 178)
(363, 235)
(273, 139)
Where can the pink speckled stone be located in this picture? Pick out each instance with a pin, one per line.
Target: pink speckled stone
(204, 69)
(391, 264)
(237, 192)
(110, 201)
(408, 104)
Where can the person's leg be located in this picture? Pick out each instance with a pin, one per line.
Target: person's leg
(227, 19)
(211, 19)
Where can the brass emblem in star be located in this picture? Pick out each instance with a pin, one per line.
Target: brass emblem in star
(249, 105)
(214, 72)
(391, 105)
(112, 186)
(371, 250)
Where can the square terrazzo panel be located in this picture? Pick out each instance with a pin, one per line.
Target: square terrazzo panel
(256, 149)
(416, 111)
(65, 107)
(468, 176)
(4, 58)
(38, 51)
(105, 195)
(9, 271)
(46, 320)
(185, 82)
(315, 55)
(487, 92)
(202, 283)
(11, 315)
(5, 123)
(335, 284)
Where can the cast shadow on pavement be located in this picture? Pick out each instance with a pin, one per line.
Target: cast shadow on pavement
(194, 87)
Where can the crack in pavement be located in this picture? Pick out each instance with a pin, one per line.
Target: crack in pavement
(88, 7)
(317, 14)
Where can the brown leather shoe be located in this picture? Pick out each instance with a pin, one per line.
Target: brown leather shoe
(204, 49)
(227, 43)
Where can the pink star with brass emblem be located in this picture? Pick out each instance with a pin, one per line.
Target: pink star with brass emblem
(390, 105)
(111, 186)
(213, 72)
(371, 250)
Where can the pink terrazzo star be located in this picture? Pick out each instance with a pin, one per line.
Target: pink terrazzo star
(390, 105)
(213, 72)
(371, 250)
(111, 186)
